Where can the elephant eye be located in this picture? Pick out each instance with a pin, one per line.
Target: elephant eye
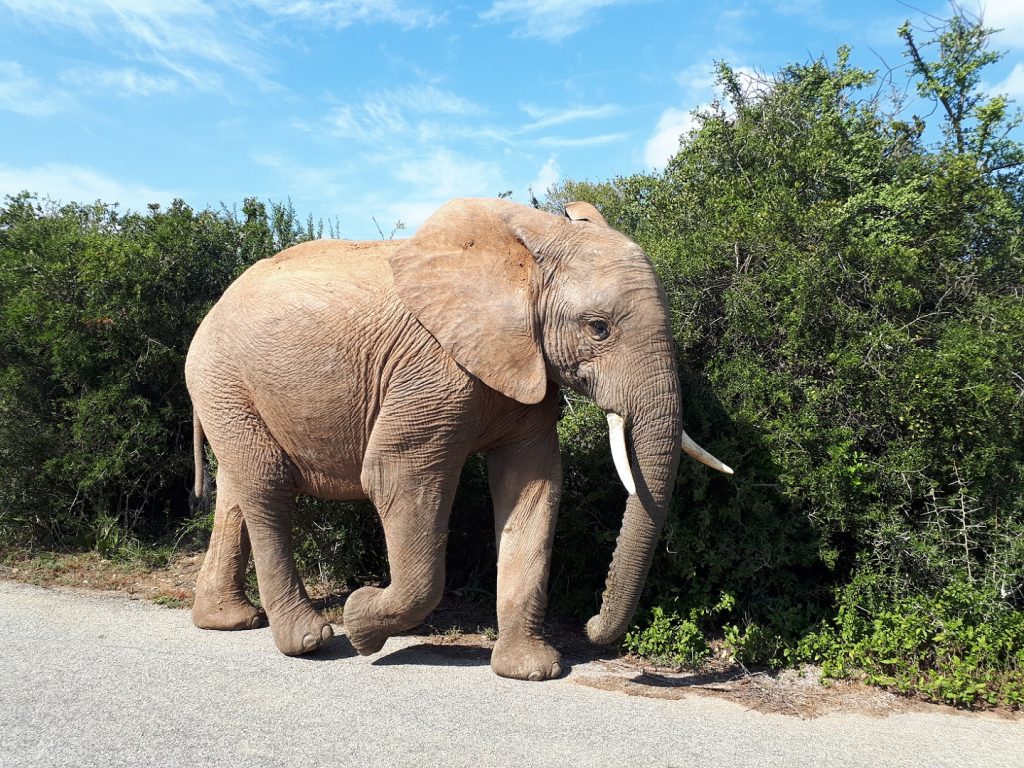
(599, 329)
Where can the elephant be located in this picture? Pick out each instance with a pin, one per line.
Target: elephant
(372, 370)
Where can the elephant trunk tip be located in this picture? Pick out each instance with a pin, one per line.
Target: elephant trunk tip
(602, 632)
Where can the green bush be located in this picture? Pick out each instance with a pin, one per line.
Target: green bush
(671, 639)
(963, 645)
(753, 644)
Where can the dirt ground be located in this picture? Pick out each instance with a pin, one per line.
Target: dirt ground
(464, 627)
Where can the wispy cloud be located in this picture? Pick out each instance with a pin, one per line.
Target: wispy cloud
(581, 141)
(406, 135)
(813, 13)
(127, 81)
(545, 118)
(26, 94)
(178, 35)
(197, 40)
(428, 99)
(295, 177)
(397, 112)
(550, 20)
(697, 78)
(344, 13)
(68, 183)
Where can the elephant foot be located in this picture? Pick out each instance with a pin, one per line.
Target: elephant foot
(364, 630)
(525, 658)
(303, 631)
(224, 612)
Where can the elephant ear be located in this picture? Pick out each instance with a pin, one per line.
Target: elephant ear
(471, 283)
(580, 211)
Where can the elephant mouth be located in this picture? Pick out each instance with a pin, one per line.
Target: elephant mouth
(620, 455)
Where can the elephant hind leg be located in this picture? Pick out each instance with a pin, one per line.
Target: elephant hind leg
(220, 601)
(296, 625)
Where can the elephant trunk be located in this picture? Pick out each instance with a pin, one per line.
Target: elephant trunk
(655, 427)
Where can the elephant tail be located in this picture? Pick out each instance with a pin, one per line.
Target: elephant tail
(197, 454)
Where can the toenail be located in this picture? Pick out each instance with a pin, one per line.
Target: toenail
(535, 676)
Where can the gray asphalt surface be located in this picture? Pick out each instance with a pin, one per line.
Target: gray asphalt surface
(95, 680)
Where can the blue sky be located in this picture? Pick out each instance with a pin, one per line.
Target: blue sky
(359, 110)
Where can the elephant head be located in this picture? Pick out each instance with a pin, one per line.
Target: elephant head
(518, 297)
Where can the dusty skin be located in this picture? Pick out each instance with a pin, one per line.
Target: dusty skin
(372, 370)
(462, 629)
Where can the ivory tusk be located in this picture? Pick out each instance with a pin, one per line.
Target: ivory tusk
(617, 438)
(703, 456)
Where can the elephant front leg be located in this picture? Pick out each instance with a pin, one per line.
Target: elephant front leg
(412, 483)
(525, 481)
(415, 531)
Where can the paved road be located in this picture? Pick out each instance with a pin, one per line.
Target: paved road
(94, 680)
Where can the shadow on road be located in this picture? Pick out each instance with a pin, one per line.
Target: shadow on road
(432, 654)
(438, 655)
(338, 647)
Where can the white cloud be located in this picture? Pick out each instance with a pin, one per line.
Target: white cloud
(584, 141)
(697, 82)
(298, 180)
(1007, 15)
(545, 118)
(550, 20)
(548, 175)
(412, 213)
(664, 143)
(128, 81)
(797, 7)
(426, 180)
(67, 183)
(1013, 85)
(25, 94)
(344, 13)
(697, 79)
(442, 174)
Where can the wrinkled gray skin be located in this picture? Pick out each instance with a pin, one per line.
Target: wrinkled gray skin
(353, 370)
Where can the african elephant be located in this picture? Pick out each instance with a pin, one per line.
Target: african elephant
(355, 370)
